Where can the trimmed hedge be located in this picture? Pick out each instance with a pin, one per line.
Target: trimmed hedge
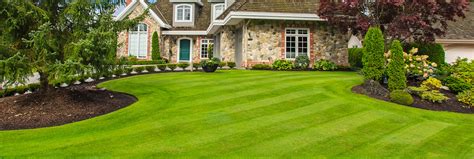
(155, 47)
(183, 65)
(261, 67)
(355, 57)
(172, 66)
(397, 79)
(20, 89)
(434, 51)
(401, 97)
(231, 65)
(373, 59)
(161, 67)
(153, 62)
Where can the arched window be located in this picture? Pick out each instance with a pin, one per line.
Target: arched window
(138, 41)
(183, 13)
(218, 10)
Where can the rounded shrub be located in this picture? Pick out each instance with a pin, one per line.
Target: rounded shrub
(172, 66)
(355, 57)
(161, 67)
(150, 68)
(456, 85)
(373, 58)
(183, 65)
(139, 69)
(282, 65)
(196, 66)
(401, 97)
(222, 64)
(231, 65)
(435, 52)
(324, 65)
(396, 68)
(261, 67)
(302, 62)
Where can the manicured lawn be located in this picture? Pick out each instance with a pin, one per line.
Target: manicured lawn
(251, 113)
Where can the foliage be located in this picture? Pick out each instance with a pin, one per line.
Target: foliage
(324, 65)
(302, 62)
(282, 65)
(128, 70)
(373, 58)
(409, 19)
(401, 97)
(432, 84)
(355, 57)
(210, 63)
(222, 64)
(435, 52)
(183, 65)
(118, 71)
(210, 51)
(396, 68)
(161, 67)
(150, 69)
(146, 62)
(139, 69)
(434, 96)
(231, 65)
(464, 70)
(418, 66)
(456, 85)
(155, 47)
(196, 66)
(261, 67)
(466, 97)
(172, 66)
(19, 89)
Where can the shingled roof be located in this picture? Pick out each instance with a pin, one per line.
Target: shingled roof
(462, 29)
(278, 6)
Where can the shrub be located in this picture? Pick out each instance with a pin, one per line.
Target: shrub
(463, 70)
(418, 66)
(401, 97)
(302, 62)
(417, 90)
(147, 62)
(222, 64)
(128, 70)
(161, 67)
(183, 65)
(355, 57)
(118, 71)
(261, 67)
(373, 58)
(282, 65)
(432, 84)
(433, 96)
(150, 68)
(456, 85)
(467, 97)
(155, 47)
(396, 71)
(210, 65)
(139, 69)
(231, 65)
(435, 52)
(324, 65)
(34, 87)
(172, 66)
(196, 66)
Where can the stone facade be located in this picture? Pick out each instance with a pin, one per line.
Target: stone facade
(170, 49)
(264, 42)
(152, 25)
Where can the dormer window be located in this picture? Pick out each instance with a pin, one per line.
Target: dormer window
(183, 13)
(218, 9)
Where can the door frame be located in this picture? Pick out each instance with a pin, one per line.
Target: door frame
(190, 49)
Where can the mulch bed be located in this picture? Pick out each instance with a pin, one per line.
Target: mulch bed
(60, 106)
(451, 105)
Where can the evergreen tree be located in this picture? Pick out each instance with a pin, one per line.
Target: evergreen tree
(155, 47)
(373, 58)
(396, 71)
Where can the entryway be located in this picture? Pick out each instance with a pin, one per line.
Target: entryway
(184, 50)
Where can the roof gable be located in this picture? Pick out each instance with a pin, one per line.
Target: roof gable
(152, 12)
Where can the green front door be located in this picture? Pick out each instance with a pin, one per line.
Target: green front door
(184, 49)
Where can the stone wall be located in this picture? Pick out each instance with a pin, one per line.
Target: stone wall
(227, 43)
(122, 49)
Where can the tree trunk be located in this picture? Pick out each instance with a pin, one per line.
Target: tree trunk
(44, 83)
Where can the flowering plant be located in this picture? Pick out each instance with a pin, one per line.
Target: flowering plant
(417, 66)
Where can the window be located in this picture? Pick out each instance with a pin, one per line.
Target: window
(205, 44)
(218, 10)
(138, 41)
(297, 42)
(183, 13)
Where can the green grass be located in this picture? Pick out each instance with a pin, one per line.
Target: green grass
(252, 114)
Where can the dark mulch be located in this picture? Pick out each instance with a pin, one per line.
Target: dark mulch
(451, 105)
(59, 107)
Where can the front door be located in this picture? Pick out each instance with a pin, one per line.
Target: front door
(184, 50)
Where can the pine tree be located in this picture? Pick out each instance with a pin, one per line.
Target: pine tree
(373, 58)
(396, 71)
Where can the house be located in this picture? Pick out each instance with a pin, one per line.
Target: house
(459, 40)
(247, 32)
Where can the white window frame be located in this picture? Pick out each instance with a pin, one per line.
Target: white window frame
(208, 42)
(214, 11)
(191, 10)
(297, 53)
(139, 35)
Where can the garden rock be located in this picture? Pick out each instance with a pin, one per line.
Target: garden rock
(375, 88)
(88, 80)
(64, 85)
(77, 82)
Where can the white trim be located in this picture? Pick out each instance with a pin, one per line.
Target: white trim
(187, 1)
(146, 41)
(133, 4)
(190, 49)
(213, 11)
(190, 32)
(234, 16)
(191, 14)
(297, 42)
(455, 41)
(200, 47)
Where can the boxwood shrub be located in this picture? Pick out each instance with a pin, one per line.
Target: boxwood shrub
(401, 97)
(435, 52)
(231, 65)
(222, 64)
(150, 68)
(139, 69)
(282, 65)
(261, 67)
(162, 67)
(172, 66)
(302, 62)
(183, 65)
(324, 65)
(355, 57)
